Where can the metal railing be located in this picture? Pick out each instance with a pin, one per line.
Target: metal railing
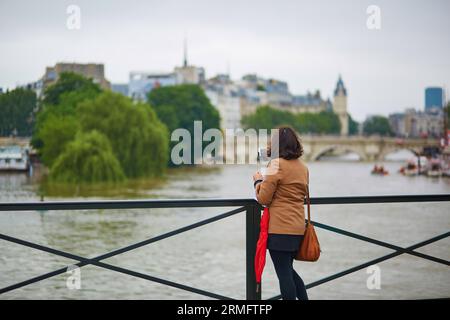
(253, 216)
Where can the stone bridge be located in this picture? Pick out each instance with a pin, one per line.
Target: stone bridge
(367, 148)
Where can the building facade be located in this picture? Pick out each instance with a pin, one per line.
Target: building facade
(254, 91)
(418, 124)
(228, 106)
(141, 83)
(93, 71)
(121, 88)
(434, 98)
(340, 105)
(190, 75)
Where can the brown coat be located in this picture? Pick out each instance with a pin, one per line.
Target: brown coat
(283, 191)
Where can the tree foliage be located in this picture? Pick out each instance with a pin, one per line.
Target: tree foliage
(61, 100)
(266, 117)
(138, 138)
(69, 83)
(88, 158)
(353, 126)
(182, 104)
(85, 134)
(56, 132)
(325, 122)
(17, 112)
(179, 106)
(377, 125)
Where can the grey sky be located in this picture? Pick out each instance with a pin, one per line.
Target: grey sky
(306, 43)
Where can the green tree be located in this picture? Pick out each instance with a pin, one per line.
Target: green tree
(377, 125)
(188, 103)
(353, 126)
(56, 132)
(179, 106)
(138, 138)
(115, 137)
(69, 82)
(266, 117)
(17, 112)
(88, 158)
(61, 100)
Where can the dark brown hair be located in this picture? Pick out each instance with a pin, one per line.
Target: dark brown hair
(288, 144)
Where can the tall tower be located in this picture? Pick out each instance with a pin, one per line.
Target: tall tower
(340, 105)
(185, 63)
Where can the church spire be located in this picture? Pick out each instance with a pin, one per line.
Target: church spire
(340, 87)
(185, 63)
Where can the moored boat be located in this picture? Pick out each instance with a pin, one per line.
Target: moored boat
(14, 158)
(435, 169)
(411, 169)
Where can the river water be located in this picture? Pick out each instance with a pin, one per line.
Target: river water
(212, 257)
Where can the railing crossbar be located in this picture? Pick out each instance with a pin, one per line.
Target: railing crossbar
(371, 262)
(96, 260)
(85, 261)
(252, 209)
(381, 243)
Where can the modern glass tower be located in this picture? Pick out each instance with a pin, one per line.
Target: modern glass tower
(434, 98)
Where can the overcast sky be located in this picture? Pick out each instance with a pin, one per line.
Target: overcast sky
(306, 43)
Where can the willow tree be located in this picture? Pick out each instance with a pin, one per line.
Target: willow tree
(88, 158)
(56, 132)
(138, 138)
(60, 101)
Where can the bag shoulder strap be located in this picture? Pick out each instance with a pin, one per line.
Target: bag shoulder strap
(308, 201)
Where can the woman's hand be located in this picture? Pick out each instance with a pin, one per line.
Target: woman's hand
(257, 176)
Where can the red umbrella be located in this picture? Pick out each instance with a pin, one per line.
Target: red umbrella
(261, 246)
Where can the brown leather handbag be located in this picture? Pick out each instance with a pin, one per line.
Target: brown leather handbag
(310, 247)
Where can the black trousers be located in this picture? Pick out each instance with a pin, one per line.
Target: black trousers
(291, 285)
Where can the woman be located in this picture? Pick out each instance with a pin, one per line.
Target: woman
(283, 189)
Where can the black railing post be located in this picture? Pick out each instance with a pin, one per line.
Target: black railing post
(253, 218)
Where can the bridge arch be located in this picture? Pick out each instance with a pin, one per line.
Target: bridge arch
(389, 150)
(344, 148)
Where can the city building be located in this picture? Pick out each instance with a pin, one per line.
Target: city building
(398, 124)
(121, 88)
(189, 75)
(418, 124)
(224, 96)
(254, 91)
(94, 71)
(141, 83)
(228, 105)
(312, 103)
(37, 87)
(434, 98)
(340, 105)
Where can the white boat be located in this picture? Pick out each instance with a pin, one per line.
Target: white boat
(411, 169)
(435, 168)
(14, 158)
